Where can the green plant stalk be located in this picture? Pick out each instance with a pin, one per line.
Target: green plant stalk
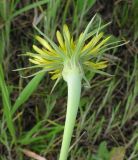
(73, 79)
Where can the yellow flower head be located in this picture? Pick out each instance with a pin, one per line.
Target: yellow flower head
(84, 52)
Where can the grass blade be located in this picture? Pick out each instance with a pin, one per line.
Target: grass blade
(27, 91)
(6, 104)
(28, 7)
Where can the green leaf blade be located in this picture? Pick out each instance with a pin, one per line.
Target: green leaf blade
(27, 91)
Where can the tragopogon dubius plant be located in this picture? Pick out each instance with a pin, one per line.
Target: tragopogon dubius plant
(69, 59)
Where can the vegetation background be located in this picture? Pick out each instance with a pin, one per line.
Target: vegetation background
(32, 119)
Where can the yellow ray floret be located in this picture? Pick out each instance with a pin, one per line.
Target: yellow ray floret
(56, 74)
(95, 50)
(44, 43)
(38, 50)
(49, 53)
(60, 39)
(66, 32)
(93, 41)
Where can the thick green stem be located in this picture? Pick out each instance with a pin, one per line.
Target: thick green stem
(73, 79)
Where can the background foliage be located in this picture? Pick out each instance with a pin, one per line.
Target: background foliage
(32, 119)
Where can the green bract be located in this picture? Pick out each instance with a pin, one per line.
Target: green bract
(69, 52)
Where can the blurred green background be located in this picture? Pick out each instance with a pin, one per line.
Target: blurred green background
(32, 119)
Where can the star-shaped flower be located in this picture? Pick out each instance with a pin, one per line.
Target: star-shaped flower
(82, 52)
